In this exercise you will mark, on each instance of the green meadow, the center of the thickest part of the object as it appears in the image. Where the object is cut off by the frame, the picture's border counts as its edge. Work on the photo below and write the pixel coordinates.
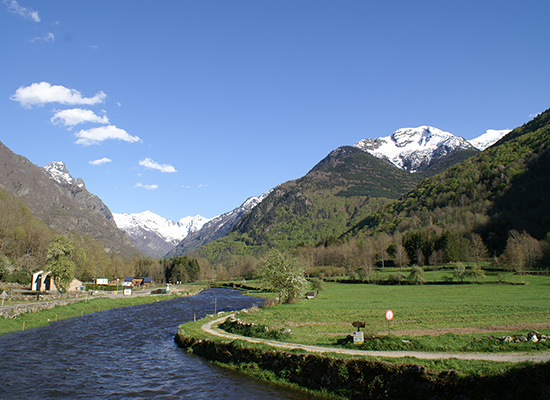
(443, 317)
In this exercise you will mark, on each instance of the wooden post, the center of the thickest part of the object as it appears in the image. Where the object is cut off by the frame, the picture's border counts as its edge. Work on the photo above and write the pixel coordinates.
(215, 305)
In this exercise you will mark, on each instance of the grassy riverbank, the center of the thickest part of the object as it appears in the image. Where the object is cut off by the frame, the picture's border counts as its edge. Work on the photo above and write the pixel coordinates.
(437, 318)
(94, 304)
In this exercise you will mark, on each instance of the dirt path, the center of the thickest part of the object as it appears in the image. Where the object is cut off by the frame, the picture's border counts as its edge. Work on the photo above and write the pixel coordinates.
(505, 357)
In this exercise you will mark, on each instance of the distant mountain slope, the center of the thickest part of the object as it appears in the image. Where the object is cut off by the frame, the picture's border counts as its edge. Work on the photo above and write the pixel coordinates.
(215, 228)
(345, 186)
(155, 235)
(61, 201)
(507, 186)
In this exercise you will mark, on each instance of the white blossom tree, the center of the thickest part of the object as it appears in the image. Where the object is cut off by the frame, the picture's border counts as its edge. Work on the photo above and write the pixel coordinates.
(283, 274)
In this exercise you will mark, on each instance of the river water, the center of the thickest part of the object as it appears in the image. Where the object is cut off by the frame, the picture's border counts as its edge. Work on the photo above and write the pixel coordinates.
(125, 353)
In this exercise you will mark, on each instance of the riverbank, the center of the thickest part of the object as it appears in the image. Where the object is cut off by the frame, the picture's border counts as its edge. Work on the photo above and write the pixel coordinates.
(446, 322)
(363, 377)
(33, 315)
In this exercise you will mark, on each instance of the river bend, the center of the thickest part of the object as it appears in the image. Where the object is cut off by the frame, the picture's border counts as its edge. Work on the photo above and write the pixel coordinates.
(125, 353)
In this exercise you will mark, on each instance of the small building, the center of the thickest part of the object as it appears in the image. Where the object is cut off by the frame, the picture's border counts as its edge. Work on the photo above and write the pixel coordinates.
(137, 281)
(310, 295)
(147, 281)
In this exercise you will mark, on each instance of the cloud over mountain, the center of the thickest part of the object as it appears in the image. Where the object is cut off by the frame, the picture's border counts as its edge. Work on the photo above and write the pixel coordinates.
(150, 164)
(88, 137)
(75, 116)
(39, 94)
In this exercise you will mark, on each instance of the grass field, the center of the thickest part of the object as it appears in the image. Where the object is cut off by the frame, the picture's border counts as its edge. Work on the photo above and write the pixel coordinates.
(462, 311)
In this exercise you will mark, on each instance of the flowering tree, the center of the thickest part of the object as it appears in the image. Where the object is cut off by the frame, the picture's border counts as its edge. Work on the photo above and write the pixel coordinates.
(283, 274)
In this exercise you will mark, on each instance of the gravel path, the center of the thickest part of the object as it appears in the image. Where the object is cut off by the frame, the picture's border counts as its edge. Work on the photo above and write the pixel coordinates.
(504, 357)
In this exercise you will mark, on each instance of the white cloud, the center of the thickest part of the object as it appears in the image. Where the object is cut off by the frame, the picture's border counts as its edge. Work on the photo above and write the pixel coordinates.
(75, 116)
(27, 13)
(43, 93)
(148, 187)
(87, 137)
(48, 37)
(101, 161)
(150, 164)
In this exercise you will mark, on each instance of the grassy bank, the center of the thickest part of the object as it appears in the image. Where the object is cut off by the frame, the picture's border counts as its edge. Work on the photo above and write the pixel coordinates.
(95, 304)
(436, 318)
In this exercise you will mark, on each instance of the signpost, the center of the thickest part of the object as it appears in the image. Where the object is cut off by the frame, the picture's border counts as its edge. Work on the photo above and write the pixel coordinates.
(389, 317)
(4, 296)
(358, 336)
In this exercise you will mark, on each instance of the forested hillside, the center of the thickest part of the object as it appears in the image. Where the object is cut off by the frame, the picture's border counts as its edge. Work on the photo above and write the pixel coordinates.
(506, 187)
(24, 241)
(352, 212)
(339, 192)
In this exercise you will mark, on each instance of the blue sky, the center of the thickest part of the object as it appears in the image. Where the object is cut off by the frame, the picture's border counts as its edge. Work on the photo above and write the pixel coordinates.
(189, 107)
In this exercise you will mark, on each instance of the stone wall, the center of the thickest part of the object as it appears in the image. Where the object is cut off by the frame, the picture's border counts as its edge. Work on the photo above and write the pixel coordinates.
(14, 311)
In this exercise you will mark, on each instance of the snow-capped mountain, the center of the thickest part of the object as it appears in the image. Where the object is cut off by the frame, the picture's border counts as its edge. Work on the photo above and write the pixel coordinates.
(415, 149)
(216, 228)
(156, 235)
(490, 137)
(58, 171)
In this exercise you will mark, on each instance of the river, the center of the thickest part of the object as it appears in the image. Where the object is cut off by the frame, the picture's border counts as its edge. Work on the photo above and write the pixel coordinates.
(125, 353)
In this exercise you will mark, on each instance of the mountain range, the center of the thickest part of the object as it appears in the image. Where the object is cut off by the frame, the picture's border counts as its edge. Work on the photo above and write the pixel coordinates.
(155, 235)
(348, 185)
(420, 151)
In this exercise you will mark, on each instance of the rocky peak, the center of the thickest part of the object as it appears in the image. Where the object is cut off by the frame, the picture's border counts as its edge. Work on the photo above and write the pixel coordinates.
(414, 149)
(57, 171)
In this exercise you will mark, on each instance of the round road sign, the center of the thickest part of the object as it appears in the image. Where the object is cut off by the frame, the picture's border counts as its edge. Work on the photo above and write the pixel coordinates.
(389, 315)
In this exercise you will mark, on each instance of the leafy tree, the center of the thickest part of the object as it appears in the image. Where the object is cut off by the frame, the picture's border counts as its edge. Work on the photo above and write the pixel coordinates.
(417, 275)
(477, 273)
(283, 274)
(59, 261)
(521, 251)
(478, 250)
(181, 269)
(460, 271)
(316, 285)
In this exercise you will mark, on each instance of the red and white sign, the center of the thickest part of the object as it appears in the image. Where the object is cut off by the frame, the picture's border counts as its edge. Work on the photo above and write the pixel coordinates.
(389, 315)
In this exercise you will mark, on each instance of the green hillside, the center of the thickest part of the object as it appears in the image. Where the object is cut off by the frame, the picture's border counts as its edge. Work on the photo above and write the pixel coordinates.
(505, 187)
(339, 192)
(343, 188)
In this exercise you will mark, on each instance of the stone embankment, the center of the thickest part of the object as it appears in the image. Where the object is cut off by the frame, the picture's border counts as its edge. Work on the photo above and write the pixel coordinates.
(13, 311)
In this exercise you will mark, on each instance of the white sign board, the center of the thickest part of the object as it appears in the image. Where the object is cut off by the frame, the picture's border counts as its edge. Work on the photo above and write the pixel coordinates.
(102, 281)
(127, 291)
(358, 337)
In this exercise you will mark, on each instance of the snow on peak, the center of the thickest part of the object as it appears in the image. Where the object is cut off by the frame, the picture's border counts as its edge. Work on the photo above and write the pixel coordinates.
(170, 231)
(490, 137)
(253, 201)
(58, 172)
(413, 149)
